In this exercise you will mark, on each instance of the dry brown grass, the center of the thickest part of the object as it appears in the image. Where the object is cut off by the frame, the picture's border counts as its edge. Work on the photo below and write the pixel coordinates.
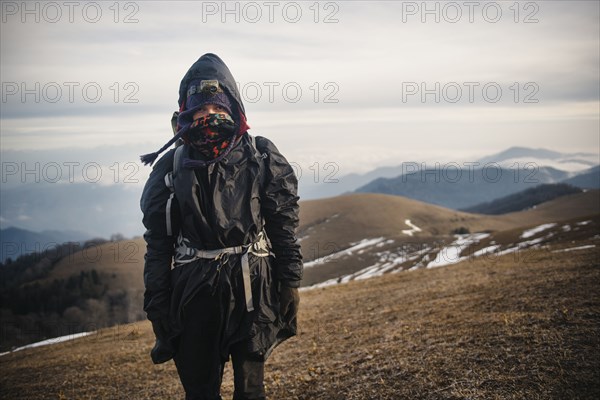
(359, 216)
(482, 329)
(566, 207)
(366, 215)
(123, 259)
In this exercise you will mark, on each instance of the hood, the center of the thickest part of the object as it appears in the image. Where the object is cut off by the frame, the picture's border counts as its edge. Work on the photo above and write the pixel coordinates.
(208, 67)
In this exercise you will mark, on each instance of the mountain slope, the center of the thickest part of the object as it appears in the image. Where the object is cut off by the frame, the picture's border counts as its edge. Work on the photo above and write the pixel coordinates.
(522, 158)
(589, 179)
(520, 152)
(524, 200)
(345, 219)
(15, 241)
(487, 329)
(356, 216)
(123, 259)
(71, 288)
(101, 210)
(459, 188)
(344, 236)
(566, 207)
(340, 238)
(330, 225)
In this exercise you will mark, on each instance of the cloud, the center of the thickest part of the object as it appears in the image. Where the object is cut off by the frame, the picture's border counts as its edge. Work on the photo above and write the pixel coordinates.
(363, 62)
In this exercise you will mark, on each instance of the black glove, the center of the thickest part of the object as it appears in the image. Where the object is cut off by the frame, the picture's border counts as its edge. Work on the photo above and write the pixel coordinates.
(163, 350)
(289, 299)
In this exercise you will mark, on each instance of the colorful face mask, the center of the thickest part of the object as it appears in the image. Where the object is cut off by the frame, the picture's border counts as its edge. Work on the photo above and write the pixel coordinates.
(212, 134)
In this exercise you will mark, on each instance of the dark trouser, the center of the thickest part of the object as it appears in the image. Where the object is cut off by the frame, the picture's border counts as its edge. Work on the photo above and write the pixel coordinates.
(199, 361)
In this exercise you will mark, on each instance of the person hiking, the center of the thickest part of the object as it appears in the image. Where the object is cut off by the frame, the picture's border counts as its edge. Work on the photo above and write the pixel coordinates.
(222, 265)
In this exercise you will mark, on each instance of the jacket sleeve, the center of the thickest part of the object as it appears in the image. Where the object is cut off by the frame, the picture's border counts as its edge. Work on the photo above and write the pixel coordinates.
(279, 206)
(159, 247)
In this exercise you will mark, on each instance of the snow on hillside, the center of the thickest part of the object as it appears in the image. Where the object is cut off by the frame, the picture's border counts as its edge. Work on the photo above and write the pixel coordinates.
(413, 228)
(356, 246)
(534, 231)
(589, 246)
(451, 254)
(403, 259)
(47, 342)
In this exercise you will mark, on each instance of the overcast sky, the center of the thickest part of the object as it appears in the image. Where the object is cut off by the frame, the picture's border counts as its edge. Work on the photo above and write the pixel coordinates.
(361, 84)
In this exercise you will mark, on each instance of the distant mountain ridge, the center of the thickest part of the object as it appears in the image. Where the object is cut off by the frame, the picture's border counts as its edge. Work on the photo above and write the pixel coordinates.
(524, 200)
(103, 210)
(461, 189)
(519, 157)
(449, 186)
(100, 210)
(589, 179)
(520, 152)
(515, 157)
(16, 242)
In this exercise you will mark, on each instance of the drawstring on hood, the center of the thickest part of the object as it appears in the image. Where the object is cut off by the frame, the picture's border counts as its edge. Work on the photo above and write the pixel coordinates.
(197, 88)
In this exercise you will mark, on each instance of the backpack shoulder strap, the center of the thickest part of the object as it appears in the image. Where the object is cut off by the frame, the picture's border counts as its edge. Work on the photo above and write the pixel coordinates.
(261, 161)
(170, 183)
(177, 160)
(170, 176)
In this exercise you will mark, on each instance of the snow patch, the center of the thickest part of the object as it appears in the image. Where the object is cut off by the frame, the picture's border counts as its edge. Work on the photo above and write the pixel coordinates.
(486, 250)
(390, 241)
(47, 342)
(414, 229)
(534, 231)
(589, 246)
(356, 246)
(451, 254)
(508, 251)
(389, 261)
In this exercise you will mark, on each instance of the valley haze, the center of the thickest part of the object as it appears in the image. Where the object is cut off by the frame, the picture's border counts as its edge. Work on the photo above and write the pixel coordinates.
(72, 190)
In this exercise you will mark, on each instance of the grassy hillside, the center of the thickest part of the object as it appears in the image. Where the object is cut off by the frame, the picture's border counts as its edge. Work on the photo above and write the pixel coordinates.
(62, 300)
(331, 226)
(487, 328)
(356, 216)
(567, 207)
(71, 291)
(341, 220)
(124, 260)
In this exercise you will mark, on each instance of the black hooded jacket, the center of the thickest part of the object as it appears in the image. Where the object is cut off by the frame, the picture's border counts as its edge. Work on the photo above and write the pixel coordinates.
(238, 197)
